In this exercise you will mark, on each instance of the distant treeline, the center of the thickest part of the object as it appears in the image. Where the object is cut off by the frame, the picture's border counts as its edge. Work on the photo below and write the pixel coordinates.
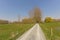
(35, 16)
(29, 20)
(4, 22)
(46, 20)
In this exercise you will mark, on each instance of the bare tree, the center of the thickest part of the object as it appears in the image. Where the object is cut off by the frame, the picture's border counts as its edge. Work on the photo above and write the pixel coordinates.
(37, 14)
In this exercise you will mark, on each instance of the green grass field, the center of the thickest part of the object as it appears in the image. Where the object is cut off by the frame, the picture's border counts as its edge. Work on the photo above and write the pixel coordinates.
(55, 33)
(7, 30)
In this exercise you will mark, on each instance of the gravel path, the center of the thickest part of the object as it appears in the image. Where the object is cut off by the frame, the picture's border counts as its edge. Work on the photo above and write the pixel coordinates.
(35, 33)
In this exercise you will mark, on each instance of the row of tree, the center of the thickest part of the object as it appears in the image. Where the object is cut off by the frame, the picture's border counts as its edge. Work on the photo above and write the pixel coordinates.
(4, 22)
(35, 16)
(31, 20)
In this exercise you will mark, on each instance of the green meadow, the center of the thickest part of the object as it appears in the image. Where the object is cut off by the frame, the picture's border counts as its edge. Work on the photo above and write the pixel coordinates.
(51, 30)
(8, 30)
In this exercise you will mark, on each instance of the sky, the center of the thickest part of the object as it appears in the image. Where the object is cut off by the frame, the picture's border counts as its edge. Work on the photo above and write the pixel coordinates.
(10, 9)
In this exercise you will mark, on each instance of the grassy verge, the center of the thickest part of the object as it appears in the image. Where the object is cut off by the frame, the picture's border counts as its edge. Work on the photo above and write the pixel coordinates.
(8, 31)
(55, 26)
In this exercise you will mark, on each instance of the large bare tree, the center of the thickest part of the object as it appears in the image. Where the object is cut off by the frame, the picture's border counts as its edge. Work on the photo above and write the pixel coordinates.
(35, 14)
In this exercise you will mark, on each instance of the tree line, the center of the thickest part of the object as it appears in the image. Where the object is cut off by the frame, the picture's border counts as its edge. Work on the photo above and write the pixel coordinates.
(35, 16)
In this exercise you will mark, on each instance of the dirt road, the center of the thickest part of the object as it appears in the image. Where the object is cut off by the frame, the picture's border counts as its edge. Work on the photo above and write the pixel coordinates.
(35, 33)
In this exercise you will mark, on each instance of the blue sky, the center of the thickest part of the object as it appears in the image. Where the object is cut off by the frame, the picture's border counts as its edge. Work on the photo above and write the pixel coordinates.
(10, 9)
